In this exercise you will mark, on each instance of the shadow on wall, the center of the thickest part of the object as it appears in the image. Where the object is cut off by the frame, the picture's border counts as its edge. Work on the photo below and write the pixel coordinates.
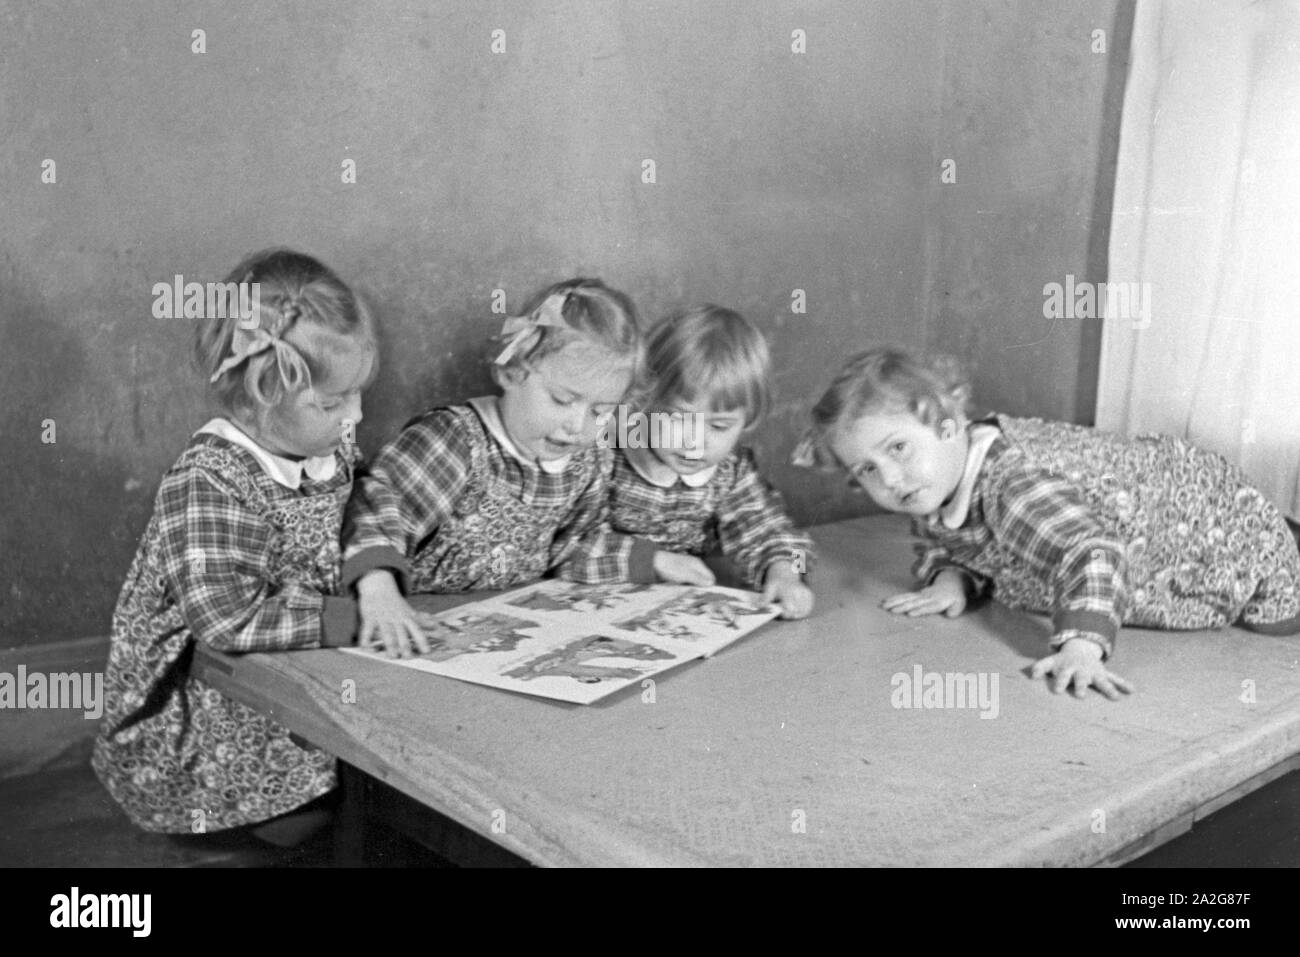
(1103, 202)
(404, 388)
(68, 512)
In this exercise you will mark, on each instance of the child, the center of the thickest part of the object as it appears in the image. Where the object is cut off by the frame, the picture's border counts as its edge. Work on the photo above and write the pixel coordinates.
(709, 369)
(495, 493)
(241, 553)
(1094, 528)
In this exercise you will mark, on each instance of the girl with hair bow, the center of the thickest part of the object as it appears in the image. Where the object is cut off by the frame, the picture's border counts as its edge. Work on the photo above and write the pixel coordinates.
(242, 554)
(498, 491)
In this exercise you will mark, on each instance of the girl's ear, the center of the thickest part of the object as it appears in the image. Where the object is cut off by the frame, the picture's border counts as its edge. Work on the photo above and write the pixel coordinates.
(512, 374)
(947, 429)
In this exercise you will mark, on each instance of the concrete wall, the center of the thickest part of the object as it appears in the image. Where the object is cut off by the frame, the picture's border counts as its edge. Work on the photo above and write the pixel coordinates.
(478, 171)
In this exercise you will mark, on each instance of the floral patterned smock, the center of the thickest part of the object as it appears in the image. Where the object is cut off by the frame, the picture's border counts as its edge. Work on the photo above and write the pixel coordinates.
(235, 558)
(1099, 530)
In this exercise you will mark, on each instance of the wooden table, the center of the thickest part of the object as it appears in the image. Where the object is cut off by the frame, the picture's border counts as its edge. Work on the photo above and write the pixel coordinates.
(787, 747)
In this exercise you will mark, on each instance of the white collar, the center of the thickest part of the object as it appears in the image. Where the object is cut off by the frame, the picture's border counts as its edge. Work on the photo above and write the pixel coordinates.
(488, 408)
(648, 465)
(981, 437)
(287, 472)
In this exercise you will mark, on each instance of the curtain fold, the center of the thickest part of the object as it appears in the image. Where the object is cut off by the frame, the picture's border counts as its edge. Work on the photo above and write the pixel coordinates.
(1207, 211)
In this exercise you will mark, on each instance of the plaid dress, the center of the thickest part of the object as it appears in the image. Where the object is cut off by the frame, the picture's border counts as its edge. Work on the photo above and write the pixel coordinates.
(448, 508)
(735, 512)
(1099, 530)
(233, 558)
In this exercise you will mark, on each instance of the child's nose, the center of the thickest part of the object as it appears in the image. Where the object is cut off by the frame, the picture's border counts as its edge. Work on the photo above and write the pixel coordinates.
(353, 411)
(891, 477)
(576, 420)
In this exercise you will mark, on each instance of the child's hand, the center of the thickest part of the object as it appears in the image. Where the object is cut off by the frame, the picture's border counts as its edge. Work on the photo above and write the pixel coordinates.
(682, 569)
(1078, 663)
(386, 618)
(783, 585)
(946, 594)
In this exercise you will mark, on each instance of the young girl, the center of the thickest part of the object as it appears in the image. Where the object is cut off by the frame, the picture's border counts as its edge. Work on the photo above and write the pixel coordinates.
(709, 373)
(1096, 529)
(242, 554)
(495, 493)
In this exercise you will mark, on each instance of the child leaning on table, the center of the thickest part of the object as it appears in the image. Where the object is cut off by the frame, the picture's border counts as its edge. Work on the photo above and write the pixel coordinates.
(1093, 528)
(242, 554)
(498, 491)
(709, 370)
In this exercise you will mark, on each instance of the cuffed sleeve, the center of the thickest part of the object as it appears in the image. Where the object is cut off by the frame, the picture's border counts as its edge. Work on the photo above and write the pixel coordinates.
(753, 528)
(377, 556)
(338, 622)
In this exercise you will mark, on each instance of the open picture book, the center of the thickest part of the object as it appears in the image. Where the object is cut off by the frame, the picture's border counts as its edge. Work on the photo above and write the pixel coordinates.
(579, 643)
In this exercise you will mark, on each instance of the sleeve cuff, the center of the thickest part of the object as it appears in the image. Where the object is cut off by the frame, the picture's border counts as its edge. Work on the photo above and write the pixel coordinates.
(641, 561)
(338, 622)
(1107, 646)
(1082, 620)
(976, 585)
(378, 556)
(789, 558)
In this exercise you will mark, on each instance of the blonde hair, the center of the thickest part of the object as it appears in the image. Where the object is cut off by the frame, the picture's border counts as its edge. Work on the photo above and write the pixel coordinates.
(710, 353)
(889, 379)
(592, 311)
(299, 296)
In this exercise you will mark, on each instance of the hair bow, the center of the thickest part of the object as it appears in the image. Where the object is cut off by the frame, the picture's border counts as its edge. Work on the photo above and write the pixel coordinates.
(248, 342)
(517, 330)
(804, 455)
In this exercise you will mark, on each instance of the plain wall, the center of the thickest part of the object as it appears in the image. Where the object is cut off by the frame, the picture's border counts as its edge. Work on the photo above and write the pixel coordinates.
(478, 171)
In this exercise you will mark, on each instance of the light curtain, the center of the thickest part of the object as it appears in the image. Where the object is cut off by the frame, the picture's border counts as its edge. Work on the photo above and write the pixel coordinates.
(1207, 210)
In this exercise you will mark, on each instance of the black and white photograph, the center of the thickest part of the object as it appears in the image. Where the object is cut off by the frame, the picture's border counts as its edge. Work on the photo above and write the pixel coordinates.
(638, 434)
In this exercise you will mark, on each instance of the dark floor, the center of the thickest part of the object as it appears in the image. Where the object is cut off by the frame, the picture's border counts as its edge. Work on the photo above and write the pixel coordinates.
(61, 817)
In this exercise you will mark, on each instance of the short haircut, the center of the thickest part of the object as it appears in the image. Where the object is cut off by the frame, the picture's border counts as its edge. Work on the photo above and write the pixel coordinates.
(889, 379)
(709, 354)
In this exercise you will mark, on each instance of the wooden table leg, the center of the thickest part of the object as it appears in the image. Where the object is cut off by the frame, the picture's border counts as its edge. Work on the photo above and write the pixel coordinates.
(350, 823)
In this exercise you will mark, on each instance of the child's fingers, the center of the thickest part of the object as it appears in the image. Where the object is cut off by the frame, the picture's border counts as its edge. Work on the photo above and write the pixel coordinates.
(900, 604)
(1103, 684)
(404, 644)
(1061, 679)
(795, 606)
(1042, 666)
(923, 602)
(419, 642)
(889, 603)
(924, 605)
(1119, 682)
(798, 604)
(703, 575)
(388, 635)
(931, 606)
(399, 643)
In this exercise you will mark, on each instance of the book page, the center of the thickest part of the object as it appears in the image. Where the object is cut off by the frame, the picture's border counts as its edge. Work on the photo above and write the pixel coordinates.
(580, 643)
